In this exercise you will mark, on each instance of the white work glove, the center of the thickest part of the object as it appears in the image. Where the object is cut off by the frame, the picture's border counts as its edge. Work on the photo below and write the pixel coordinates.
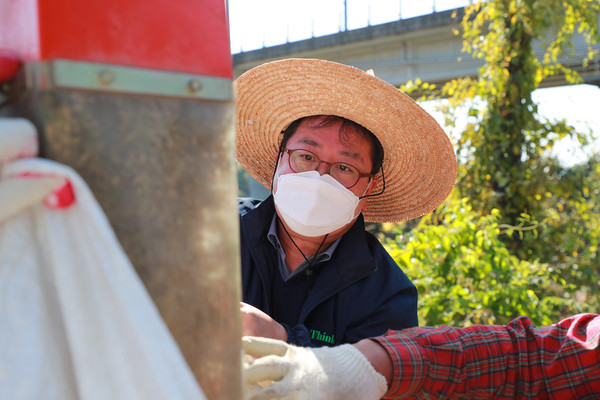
(283, 371)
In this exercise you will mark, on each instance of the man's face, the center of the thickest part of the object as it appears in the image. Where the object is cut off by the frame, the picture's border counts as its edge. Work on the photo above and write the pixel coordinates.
(331, 147)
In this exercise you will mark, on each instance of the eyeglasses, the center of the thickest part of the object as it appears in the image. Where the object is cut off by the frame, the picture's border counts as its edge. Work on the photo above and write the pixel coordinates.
(301, 160)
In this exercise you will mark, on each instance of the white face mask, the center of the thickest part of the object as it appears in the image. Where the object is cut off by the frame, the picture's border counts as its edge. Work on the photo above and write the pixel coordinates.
(312, 204)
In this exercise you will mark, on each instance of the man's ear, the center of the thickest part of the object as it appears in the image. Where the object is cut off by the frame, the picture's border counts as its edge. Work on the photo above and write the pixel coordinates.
(364, 207)
(372, 185)
(370, 189)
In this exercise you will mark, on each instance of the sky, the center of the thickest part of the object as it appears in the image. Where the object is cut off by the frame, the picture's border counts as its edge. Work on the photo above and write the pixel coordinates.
(262, 23)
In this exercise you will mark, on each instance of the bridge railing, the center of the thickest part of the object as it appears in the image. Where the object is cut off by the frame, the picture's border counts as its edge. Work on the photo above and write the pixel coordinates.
(256, 24)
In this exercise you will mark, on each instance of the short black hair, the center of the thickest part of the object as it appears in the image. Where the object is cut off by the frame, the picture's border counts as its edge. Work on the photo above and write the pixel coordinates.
(347, 126)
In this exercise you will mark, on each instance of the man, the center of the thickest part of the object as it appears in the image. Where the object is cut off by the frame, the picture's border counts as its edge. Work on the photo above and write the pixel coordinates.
(516, 361)
(334, 144)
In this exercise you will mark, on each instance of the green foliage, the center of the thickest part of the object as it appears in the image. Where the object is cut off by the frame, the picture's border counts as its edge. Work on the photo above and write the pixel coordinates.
(529, 245)
(506, 137)
(569, 237)
(465, 274)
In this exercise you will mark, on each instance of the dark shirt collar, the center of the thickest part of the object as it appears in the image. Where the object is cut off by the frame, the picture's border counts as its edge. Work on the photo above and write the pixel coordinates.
(315, 259)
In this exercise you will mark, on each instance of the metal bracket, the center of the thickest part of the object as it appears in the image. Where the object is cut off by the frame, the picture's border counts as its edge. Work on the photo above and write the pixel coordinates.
(132, 80)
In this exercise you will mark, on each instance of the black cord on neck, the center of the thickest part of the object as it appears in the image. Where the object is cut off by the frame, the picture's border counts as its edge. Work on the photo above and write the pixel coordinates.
(310, 263)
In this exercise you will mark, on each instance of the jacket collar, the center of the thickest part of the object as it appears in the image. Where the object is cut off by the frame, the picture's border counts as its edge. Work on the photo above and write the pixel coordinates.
(258, 222)
(350, 263)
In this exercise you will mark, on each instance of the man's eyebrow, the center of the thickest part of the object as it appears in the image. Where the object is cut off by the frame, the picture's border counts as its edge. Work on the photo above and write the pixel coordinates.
(347, 153)
(351, 154)
(309, 142)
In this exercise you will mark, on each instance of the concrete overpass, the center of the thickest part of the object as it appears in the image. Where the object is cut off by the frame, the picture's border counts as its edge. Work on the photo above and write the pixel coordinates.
(422, 47)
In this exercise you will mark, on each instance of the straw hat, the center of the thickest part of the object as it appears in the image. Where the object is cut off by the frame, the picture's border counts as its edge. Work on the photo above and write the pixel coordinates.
(419, 162)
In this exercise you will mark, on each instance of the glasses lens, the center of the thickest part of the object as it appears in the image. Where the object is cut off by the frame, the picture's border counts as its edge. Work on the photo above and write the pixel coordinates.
(303, 160)
(345, 174)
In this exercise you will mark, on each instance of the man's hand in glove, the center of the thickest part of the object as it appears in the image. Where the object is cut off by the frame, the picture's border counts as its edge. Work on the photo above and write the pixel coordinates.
(276, 370)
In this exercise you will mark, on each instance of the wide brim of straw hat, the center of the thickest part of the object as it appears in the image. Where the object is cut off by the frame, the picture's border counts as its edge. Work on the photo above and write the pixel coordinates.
(419, 161)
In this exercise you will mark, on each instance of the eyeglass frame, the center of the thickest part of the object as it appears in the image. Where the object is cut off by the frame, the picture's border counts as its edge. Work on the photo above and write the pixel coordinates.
(281, 150)
(289, 152)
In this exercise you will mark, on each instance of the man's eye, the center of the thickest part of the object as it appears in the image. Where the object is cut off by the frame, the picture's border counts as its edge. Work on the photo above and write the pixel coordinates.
(344, 169)
(308, 157)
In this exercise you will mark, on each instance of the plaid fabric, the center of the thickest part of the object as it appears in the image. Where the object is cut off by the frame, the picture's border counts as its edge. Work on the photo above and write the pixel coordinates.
(516, 361)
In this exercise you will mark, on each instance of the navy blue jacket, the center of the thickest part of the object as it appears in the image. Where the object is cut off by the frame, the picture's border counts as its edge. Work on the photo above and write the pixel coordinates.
(360, 292)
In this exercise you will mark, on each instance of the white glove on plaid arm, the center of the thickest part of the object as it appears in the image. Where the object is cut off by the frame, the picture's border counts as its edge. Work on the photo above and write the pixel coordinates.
(283, 371)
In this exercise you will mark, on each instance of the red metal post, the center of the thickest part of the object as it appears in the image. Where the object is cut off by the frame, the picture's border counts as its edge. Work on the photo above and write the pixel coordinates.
(136, 96)
(168, 35)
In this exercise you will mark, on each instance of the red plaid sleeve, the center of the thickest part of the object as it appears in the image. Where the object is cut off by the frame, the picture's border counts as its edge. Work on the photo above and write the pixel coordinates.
(560, 361)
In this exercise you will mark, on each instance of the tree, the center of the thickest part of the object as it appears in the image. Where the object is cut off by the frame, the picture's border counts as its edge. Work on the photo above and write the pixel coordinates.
(506, 137)
(465, 269)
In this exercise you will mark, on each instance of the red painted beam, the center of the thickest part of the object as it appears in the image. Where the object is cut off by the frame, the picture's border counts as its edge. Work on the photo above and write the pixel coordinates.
(9, 64)
(188, 36)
